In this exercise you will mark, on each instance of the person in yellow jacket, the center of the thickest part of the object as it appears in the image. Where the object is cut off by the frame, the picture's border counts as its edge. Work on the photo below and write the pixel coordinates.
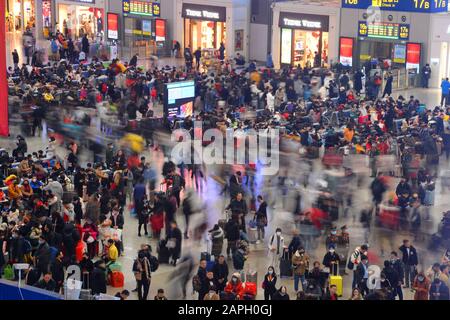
(349, 133)
(111, 253)
(14, 192)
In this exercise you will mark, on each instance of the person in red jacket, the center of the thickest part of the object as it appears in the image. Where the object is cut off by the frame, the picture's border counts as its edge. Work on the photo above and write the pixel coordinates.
(234, 286)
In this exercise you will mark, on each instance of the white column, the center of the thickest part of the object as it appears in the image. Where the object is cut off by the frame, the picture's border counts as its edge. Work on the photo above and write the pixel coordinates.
(39, 19)
(22, 15)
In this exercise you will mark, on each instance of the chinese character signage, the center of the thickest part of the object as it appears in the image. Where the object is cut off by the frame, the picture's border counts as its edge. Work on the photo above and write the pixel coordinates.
(144, 8)
(383, 30)
(426, 6)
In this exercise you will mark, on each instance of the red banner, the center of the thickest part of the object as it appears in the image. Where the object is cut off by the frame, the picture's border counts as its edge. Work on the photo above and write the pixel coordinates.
(4, 125)
(160, 30)
(413, 52)
(113, 26)
(346, 51)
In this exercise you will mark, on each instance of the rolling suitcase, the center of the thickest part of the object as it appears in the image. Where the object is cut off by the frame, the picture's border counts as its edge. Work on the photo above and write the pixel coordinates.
(85, 292)
(252, 235)
(336, 280)
(285, 266)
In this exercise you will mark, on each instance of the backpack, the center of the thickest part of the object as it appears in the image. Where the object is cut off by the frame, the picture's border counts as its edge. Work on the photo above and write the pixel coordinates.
(27, 247)
(53, 254)
(196, 283)
(54, 47)
(154, 263)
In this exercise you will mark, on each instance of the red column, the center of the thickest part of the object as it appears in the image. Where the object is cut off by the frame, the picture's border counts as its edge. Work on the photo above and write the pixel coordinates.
(4, 126)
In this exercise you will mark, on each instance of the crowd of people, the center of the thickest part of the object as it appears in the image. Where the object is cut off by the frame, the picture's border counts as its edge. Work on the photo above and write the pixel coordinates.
(58, 211)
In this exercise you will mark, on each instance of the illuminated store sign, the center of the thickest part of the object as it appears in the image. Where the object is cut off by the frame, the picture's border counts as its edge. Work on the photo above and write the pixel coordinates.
(200, 12)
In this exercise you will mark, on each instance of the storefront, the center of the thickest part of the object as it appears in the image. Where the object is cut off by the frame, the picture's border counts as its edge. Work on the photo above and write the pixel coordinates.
(439, 48)
(204, 26)
(303, 38)
(207, 23)
(20, 15)
(75, 18)
(309, 38)
(139, 25)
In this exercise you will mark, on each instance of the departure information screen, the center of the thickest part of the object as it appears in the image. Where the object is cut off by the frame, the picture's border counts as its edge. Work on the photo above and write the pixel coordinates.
(383, 30)
(425, 6)
(179, 91)
(144, 8)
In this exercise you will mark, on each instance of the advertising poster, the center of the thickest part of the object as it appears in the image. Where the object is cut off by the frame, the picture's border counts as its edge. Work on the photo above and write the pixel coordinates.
(399, 53)
(160, 32)
(147, 27)
(346, 52)
(113, 26)
(413, 56)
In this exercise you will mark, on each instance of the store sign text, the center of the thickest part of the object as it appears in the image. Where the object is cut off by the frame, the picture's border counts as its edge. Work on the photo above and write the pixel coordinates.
(203, 14)
(302, 23)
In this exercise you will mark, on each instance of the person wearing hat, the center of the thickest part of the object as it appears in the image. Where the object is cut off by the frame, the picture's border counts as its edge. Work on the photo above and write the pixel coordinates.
(300, 262)
(217, 236)
(331, 260)
(332, 238)
(276, 248)
(234, 286)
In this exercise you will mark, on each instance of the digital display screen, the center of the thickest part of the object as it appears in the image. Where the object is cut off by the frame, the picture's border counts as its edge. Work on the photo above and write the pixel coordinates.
(425, 6)
(180, 90)
(147, 27)
(383, 30)
(346, 51)
(143, 8)
(179, 98)
(160, 26)
(400, 53)
(113, 26)
(413, 56)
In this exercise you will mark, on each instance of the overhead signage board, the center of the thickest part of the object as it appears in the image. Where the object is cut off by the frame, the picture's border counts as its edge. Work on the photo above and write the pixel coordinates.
(383, 30)
(424, 6)
(143, 8)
